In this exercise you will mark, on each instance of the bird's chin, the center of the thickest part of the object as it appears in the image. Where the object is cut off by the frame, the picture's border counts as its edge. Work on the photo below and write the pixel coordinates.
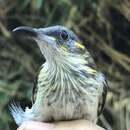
(48, 52)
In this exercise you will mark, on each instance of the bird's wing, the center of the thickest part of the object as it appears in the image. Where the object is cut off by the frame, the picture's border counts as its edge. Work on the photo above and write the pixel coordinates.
(102, 98)
(101, 79)
(34, 91)
(35, 88)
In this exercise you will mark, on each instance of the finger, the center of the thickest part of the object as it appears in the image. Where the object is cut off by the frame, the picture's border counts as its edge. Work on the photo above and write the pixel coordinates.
(31, 125)
(76, 125)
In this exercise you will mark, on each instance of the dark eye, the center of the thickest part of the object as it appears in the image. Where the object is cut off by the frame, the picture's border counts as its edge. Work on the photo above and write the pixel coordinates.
(64, 35)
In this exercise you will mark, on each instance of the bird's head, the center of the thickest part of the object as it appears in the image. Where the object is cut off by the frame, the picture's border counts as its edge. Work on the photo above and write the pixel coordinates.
(56, 42)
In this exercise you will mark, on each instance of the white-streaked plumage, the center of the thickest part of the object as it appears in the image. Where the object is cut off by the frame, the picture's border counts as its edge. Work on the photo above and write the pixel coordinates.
(68, 88)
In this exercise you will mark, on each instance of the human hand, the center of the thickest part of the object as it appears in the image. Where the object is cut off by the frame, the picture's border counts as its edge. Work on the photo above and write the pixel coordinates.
(63, 125)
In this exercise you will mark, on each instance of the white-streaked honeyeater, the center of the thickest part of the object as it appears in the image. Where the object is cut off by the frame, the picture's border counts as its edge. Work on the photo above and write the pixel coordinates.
(68, 86)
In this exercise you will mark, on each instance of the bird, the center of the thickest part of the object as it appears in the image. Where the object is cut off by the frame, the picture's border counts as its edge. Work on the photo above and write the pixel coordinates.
(69, 85)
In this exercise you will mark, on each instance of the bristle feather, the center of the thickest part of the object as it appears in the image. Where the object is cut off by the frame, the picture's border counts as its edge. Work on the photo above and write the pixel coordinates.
(17, 112)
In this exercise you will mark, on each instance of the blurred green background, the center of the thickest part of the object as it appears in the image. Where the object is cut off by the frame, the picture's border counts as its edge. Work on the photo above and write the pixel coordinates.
(102, 25)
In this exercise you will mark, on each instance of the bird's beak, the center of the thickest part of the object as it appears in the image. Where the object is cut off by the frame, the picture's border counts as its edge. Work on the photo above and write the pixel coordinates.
(25, 31)
(39, 35)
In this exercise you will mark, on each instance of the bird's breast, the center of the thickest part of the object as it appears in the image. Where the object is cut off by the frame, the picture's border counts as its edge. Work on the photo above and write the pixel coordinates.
(66, 98)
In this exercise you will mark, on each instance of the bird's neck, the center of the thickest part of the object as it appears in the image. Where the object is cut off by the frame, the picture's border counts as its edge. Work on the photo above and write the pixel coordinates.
(65, 68)
(65, 62)
(60, 75)
(63, 74)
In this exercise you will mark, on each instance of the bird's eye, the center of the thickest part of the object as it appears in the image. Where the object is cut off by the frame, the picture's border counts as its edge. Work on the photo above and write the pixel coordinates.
(64, 35)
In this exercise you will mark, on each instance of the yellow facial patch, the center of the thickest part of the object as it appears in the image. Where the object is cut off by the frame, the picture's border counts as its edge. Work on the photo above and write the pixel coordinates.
(79, 45)
(90, 70)
(64, 48)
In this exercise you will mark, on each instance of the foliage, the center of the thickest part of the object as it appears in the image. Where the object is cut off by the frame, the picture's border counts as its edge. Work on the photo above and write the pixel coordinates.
(104, 28)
